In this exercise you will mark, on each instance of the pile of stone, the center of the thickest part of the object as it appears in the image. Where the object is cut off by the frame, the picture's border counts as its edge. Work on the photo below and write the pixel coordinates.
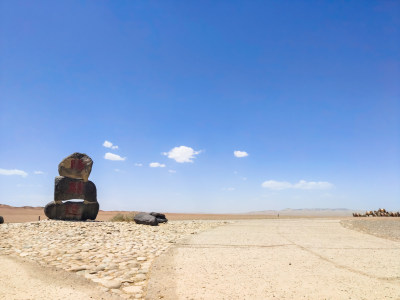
(152, 218)
(381, 212)
(74, 183)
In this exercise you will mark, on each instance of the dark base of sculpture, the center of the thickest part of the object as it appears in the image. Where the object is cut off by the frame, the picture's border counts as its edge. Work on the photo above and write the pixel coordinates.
(72, 211)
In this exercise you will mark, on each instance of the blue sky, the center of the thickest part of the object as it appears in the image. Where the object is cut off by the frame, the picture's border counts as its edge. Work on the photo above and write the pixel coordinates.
(309, 90)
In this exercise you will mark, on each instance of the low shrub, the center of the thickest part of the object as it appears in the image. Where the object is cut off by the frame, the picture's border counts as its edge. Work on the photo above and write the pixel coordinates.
(123, 218)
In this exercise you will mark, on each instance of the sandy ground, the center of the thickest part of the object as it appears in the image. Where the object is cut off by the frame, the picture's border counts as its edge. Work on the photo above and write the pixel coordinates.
(25, 280)
(267, 258)
(279, 259)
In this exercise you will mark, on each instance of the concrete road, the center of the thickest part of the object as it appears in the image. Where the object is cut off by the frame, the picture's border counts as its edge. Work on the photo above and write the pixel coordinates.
(279, 259)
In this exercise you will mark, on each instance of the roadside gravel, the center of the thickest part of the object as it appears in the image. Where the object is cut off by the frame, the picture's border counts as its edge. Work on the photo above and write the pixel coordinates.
(388, 228)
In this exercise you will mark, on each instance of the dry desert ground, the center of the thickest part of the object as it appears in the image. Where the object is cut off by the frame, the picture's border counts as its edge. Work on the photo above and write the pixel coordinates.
(199, 257)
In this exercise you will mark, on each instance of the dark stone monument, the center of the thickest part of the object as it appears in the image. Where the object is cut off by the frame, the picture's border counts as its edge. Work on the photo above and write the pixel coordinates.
(77, 165)
(68, 188)
(73, 183)
(1, 220)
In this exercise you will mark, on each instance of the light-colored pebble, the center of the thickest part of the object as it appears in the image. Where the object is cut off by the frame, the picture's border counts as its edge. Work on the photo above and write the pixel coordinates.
(133, 289)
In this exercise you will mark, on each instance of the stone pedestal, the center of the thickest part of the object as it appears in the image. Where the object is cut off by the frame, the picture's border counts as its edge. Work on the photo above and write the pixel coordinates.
(72, 211)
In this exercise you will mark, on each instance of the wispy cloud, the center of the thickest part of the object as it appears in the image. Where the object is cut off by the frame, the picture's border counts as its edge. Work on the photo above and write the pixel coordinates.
(301, 185)
(228, 189)
(108, 144)
(138, 165)
(239, 154)
(112, 156)
(156, 165)
(182, 154)
(172, 171)
(13, 172)
(38, 172)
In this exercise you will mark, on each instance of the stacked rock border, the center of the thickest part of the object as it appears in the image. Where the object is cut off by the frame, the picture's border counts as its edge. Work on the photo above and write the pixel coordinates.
(381, 212)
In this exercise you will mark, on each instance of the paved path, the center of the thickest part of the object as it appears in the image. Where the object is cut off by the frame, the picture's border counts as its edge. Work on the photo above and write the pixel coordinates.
(279, 259)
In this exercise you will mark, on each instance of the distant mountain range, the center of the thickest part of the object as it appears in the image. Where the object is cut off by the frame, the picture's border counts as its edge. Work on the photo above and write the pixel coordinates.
(308, 212)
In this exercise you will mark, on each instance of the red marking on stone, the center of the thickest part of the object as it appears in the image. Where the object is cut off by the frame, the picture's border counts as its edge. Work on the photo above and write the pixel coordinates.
(72, 209)
(75, 187)
(77, 164)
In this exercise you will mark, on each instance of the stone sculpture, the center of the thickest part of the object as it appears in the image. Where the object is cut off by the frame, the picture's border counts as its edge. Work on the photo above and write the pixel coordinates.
(73, 183)
(1, 220)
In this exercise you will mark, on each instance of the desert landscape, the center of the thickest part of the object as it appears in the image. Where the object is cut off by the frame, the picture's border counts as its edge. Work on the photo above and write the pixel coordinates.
(200, 257)
(199, 150)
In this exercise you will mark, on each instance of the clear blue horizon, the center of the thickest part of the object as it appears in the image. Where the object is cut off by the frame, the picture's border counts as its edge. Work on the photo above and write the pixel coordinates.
(220, 107)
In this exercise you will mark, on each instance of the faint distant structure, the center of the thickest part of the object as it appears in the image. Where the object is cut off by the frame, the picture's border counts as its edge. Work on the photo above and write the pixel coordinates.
(381, 212)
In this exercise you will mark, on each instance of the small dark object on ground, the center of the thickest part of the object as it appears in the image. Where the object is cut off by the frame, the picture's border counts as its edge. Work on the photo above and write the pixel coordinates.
(159, 220)
(1, 220)
(160, 217)
(146, 219)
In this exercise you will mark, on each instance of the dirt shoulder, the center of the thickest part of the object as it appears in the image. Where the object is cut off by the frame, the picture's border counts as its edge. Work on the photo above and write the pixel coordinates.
(22, 279)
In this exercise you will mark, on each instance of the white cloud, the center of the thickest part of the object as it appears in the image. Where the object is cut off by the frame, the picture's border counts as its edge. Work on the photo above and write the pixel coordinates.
(229, 189)
(156, 165)
(238, 153)
(38, 172)
(112, 156)
(182, 154)
(138, 165)
(301, 185)
(313, 185)
(108, 144)
(13, 172)
(276, 185)
(172, 171)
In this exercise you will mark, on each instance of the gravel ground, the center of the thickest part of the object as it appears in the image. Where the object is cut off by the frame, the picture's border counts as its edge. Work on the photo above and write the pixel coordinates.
(116, 255)
(388, 228)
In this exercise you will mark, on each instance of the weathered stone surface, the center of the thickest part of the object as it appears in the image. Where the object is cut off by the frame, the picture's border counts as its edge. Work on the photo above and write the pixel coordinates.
(160, 217)
(78, 211)
(77, 165)
(1, 220)
(67, 188)
(146, 219)
(159, 220)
